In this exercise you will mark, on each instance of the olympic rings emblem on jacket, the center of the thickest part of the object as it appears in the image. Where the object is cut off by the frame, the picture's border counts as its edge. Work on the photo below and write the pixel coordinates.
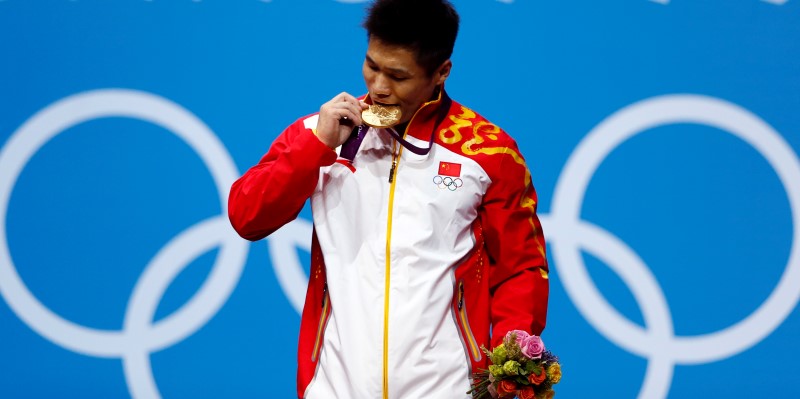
(447, 182)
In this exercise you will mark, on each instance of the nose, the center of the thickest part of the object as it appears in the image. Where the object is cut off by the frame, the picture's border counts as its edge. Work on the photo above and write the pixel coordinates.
(380, 86)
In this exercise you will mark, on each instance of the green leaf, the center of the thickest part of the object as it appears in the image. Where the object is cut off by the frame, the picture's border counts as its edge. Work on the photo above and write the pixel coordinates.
(529, 367)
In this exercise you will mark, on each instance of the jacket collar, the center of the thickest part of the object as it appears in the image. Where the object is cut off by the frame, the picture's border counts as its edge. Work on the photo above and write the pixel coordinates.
(428, 115)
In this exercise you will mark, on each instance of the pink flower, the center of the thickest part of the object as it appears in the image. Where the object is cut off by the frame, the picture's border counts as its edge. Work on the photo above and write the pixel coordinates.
(520, 335)
(532, 347)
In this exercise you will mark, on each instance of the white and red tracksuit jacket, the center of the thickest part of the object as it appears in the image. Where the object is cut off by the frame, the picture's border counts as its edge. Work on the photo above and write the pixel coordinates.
(409, 271)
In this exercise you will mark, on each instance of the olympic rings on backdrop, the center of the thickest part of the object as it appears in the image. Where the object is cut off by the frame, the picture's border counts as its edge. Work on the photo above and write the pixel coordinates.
(141, 334)
(569, 235)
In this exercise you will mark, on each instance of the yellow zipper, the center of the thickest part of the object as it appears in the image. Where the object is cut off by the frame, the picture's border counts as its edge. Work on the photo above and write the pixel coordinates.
(462, 312)
(387, 280)
(323, 318)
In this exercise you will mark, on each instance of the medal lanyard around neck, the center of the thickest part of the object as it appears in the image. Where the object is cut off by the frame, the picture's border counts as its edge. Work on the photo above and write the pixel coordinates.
(444, 108)
(351, 145)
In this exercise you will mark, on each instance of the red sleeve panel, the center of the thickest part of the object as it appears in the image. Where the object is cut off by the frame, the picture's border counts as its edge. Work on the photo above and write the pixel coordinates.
(518, 272)
(272, 193)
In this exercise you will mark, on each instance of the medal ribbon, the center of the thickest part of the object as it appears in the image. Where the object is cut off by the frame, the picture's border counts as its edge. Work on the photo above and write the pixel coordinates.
(350, 147)
(444, 108)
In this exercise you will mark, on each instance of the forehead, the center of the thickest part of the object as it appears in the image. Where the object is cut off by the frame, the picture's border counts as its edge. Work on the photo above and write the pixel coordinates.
(392, 56)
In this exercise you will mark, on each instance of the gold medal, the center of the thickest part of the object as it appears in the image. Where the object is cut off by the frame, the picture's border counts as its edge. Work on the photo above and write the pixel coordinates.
(381, 116)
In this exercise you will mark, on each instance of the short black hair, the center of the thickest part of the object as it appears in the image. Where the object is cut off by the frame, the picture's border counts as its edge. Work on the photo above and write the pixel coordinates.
(428, 27)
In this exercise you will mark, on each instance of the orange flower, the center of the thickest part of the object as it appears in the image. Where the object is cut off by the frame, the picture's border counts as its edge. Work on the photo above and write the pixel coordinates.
(527, 392)
(506, 389)
(537, 379)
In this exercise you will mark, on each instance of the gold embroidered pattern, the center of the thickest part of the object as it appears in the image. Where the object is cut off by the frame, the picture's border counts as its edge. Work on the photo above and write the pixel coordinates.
(481, 132)
(459, 122)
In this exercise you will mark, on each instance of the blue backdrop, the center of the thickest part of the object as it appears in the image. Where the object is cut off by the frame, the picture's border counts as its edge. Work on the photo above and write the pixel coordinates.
(662, 138)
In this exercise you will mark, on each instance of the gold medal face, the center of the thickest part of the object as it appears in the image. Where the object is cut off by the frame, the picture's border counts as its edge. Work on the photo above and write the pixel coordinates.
(381, 116)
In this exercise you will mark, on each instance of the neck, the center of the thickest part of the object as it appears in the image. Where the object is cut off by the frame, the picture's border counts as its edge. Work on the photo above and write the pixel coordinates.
(401, 128)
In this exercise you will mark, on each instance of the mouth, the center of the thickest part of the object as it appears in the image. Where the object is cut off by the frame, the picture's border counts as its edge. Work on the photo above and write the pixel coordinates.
(384, 103)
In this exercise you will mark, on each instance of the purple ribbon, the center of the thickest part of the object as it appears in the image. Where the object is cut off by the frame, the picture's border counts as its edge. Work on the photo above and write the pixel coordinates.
(351, 145)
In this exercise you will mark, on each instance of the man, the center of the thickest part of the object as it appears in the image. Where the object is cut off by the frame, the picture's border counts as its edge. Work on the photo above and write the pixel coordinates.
(426, 241)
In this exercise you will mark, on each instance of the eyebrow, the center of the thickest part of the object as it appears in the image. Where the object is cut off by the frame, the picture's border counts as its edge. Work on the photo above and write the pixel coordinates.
(398, 71)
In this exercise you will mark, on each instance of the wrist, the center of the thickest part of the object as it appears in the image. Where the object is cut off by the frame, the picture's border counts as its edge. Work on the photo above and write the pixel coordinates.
(323, 140)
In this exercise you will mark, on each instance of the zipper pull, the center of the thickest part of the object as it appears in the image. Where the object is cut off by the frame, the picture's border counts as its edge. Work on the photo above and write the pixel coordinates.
(324, 294)
(460, 295)
(391, 171)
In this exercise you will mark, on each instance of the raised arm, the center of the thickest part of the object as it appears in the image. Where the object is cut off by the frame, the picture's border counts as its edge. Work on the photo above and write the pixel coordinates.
(273, 192)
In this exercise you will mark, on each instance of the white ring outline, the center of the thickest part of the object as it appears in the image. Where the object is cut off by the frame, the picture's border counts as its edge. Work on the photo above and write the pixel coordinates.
(566, 228)
(139, 337)
(286, 264)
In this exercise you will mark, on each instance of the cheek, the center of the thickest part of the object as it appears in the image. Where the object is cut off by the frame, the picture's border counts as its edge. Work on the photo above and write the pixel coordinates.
(405, 93)
(414, 96)
(369, 76)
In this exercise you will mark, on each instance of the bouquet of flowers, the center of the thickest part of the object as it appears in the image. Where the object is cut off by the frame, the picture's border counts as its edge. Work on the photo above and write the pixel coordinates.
(520, 368)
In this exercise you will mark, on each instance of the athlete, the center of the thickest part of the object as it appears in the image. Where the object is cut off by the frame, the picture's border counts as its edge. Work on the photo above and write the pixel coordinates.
(426, 243)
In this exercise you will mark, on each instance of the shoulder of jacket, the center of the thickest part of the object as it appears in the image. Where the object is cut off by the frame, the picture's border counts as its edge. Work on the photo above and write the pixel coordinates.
(468, 133)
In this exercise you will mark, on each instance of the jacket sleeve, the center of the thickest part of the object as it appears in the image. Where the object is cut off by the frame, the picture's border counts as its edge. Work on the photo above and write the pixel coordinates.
(272, 193)
(518, 271)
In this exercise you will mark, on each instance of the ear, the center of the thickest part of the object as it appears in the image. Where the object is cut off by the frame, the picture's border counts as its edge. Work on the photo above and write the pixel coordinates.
(443, 72)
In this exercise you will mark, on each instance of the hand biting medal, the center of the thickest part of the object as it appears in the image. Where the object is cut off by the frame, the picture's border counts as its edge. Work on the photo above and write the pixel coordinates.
(381, 116)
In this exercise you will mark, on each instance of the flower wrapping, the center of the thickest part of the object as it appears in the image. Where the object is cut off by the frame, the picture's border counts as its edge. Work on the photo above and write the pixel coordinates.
(520, 367)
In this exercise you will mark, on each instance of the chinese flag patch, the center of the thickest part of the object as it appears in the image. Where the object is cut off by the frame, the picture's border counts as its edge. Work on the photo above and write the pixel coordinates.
(449, 169)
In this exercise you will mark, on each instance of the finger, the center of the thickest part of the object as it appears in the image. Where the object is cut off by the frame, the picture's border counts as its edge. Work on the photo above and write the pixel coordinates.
(352, 102)
(340, 114)
(350, 115)
(333, 108)
(353, 106)
(354, 113)
(345, 97)
(341, 97)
